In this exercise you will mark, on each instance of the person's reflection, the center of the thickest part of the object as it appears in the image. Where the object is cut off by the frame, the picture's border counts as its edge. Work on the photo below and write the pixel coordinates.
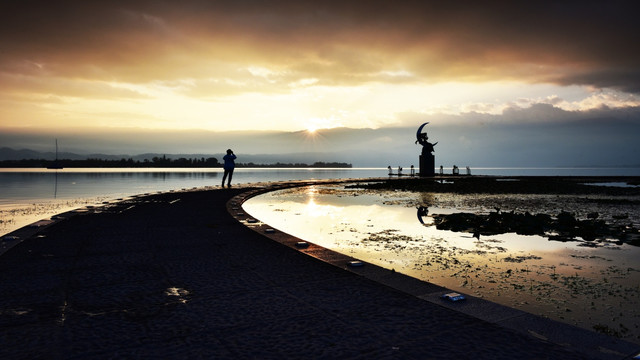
(422, 211)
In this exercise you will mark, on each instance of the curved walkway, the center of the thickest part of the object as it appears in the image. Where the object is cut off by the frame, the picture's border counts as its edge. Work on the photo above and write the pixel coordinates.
(176, 275)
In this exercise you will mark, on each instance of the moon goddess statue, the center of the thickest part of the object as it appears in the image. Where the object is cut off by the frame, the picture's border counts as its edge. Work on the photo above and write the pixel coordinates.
(422, 139)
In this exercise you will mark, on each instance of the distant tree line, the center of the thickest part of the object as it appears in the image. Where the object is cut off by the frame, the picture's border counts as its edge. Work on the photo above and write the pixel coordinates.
(124, 163)
(317, 164)
(156, 162)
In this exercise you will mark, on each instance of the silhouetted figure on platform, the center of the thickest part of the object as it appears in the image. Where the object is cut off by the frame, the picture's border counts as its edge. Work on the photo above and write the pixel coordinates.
(229, 165)
(427, 147)
(427, 160)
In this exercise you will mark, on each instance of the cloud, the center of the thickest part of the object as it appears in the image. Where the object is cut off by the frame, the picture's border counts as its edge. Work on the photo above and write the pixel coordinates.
(252, 64)
(515, 117)
(60, 87)
(337, 42)
(560, 138)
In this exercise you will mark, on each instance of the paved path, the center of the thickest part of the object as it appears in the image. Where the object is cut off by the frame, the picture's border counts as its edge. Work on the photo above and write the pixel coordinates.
(174, 275)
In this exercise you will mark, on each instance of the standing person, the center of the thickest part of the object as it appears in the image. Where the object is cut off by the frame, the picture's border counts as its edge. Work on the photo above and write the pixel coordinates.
(229, 165)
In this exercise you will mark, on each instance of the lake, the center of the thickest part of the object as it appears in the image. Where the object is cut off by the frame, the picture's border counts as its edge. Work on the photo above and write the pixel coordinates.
(28, 185)
(20, 186)
(594, 285)
(28, 195)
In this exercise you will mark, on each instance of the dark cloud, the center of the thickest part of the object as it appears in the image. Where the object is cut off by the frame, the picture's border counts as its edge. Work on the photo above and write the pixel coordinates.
(568, 42)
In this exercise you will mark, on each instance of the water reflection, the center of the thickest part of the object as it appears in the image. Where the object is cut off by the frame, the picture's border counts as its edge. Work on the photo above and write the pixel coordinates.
(29, 195)
(16, 187)
(315, 210)
(422, 212)
(589, 287)
(55, 186)
(20, 186)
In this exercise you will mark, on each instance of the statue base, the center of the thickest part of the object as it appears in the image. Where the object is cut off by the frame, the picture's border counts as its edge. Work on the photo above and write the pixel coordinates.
(427, 165)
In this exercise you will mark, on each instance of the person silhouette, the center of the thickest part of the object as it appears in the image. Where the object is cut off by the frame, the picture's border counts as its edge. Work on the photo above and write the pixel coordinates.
(229, 165)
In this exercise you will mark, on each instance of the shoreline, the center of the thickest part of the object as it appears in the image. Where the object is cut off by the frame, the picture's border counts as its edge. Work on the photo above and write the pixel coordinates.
(72, 204)
(585, 274)
(530, 327)
(508, 297)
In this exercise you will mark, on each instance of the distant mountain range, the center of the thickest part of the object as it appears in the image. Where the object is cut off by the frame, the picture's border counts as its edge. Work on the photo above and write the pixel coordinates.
(26, 154)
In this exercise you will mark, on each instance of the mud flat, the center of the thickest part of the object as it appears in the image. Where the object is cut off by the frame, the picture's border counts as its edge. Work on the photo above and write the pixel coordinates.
(598, 218)
(565, 248)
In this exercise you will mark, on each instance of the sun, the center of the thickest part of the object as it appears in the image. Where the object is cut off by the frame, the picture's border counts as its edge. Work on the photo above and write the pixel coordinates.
(312, 125)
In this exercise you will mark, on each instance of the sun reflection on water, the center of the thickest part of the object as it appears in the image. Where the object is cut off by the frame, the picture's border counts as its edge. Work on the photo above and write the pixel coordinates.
(584, 286)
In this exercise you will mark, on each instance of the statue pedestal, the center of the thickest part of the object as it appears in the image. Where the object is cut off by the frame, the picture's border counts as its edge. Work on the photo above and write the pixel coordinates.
(427, 165)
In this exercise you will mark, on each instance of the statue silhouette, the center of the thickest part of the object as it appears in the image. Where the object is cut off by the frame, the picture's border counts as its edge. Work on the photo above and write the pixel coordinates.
(423, 139)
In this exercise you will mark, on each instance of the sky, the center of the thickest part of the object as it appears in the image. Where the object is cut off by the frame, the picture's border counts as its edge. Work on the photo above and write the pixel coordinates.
(84, 68)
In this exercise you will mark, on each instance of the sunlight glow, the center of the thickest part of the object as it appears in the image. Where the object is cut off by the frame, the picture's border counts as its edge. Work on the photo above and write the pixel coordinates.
(314, 124)
(325, 216)
(315, 210)
(220, 103)
(282, 68)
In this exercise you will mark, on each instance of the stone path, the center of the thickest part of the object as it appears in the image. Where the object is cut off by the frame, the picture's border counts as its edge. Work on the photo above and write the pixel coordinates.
(174, 275)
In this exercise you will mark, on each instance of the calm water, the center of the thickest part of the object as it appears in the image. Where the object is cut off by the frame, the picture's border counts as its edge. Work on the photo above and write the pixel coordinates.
(589, 286)
(20, 186)
(28, 195)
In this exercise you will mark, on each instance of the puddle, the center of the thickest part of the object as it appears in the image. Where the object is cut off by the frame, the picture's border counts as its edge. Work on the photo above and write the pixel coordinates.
(613, 184)
(15, 216)
(179, 294)
(594, 287)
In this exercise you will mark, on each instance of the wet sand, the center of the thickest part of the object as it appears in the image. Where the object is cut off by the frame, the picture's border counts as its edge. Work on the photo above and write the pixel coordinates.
(186, 274)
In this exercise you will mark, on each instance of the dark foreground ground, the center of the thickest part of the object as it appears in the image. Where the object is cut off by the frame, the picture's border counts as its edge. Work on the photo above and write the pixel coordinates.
(175, 275)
